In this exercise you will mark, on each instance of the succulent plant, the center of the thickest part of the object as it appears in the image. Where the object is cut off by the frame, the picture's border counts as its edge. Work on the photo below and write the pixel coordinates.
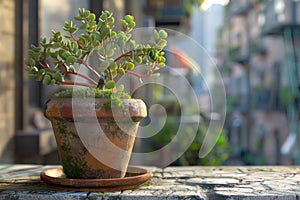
(59, 57)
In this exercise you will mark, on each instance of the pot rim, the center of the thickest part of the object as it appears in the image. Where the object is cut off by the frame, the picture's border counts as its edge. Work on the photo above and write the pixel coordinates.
(70, 108)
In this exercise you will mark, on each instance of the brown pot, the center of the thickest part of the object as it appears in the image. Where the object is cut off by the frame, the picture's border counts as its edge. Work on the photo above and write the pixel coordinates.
(94, 142)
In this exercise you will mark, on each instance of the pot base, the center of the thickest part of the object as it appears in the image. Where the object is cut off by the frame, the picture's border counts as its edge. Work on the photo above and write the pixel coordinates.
(55, 178)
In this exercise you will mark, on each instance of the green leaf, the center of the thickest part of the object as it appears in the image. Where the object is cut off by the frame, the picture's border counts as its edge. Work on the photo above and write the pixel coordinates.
(55, 45)
(86, 13)
(156, 35)
(110, 52)
(161, 65)
(97, 36)
(71, 59)
(113, 66)
(80, 11)
(54, 54)
(27, 68)
(128, 18)
(34, 69)
(43, 40)
(120, 41)
(111, 20)
(92, 17)
(163, 34)
(52, 82)
(121, 71)
(152, 43)
(162, 59)
(152, 55)
(139, 59)
(56, 34)
(155, 75)
(162, 44)
(103, 65)
(124, 24)
(131, 24)
(110, 84)
(132, 45)
(100, 50)
(73, 30)
(78, 18)
(113, 34)
(114, 73)
(65, 54)
(83, 26)
(104, 31)
(103, 16)
(66, 27)
(81, 41)
(42, 72)
(47, 80)
(58, 76)
(78, 53)
(108, 13)
(128, 36)
(130, 65)
(29, 61)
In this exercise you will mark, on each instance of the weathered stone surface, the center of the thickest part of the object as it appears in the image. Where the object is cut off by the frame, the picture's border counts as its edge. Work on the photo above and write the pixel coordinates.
(257, 183)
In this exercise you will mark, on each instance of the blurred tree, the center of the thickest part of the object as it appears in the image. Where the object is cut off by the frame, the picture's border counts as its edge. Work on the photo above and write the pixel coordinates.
(188, 6)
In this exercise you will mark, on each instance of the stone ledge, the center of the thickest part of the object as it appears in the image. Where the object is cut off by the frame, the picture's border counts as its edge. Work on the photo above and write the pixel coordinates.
(274, 182)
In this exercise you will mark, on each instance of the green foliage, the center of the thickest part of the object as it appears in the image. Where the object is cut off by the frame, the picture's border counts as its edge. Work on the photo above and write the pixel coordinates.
(286, 96)
(114, 97)
(218, 155)
(69, 51)
(92, 93)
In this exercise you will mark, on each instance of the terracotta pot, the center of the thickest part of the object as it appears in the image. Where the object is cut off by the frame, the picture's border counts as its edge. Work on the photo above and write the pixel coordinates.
(94, 142)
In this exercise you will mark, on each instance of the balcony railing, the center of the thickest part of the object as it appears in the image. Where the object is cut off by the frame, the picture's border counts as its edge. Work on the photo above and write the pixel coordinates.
(279, 14)
(238, 7)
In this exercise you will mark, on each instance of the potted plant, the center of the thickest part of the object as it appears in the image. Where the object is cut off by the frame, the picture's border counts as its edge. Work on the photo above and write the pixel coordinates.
(94, 114)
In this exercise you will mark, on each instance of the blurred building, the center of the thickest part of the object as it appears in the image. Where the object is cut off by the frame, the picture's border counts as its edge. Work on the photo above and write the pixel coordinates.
(258, 51)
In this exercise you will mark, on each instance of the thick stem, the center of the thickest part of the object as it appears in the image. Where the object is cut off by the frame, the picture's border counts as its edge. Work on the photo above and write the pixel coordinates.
(137, 75)
(86, 20)
(40, 63)
(148, 74)
(83, 76)
(110, 74)
(76, 83)
(123, 55)
(46, 65)
(66, 68)
(90, 68)
(73, 37)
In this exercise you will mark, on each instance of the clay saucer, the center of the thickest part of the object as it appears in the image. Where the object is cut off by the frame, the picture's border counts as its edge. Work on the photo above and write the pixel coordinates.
(56, 179)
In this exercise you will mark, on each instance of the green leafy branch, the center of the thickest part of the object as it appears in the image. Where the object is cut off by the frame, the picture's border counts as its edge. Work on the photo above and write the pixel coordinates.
(58, 58)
